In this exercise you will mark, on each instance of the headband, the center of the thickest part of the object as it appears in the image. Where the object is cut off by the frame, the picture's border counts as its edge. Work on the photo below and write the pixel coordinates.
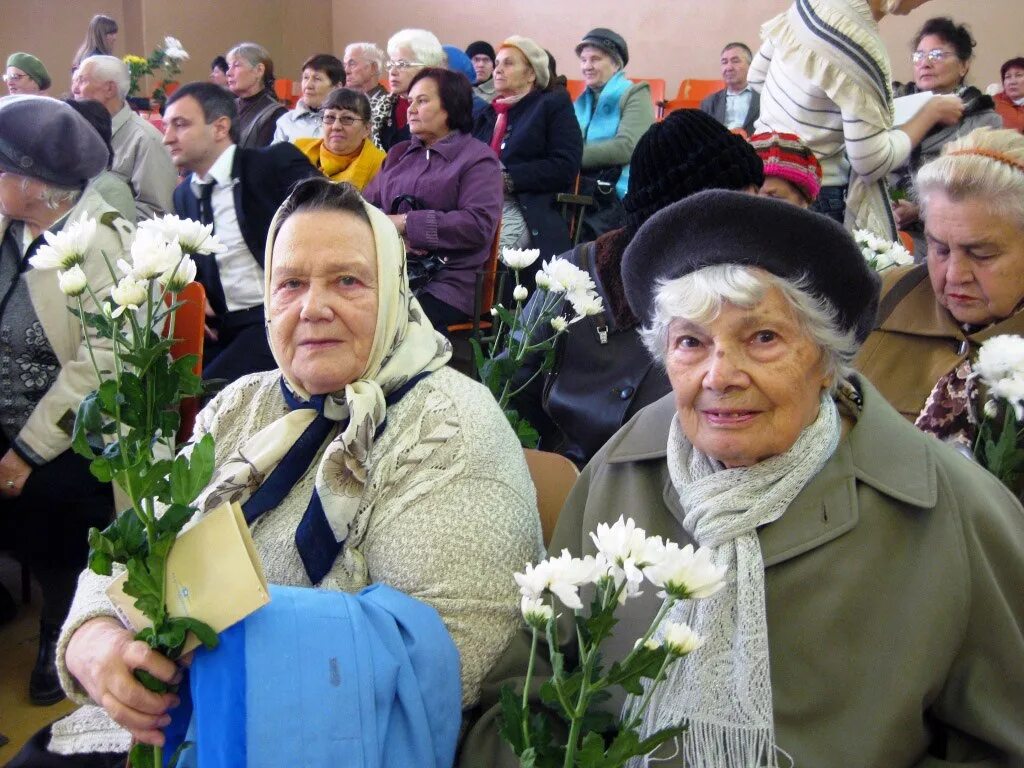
(992, 155)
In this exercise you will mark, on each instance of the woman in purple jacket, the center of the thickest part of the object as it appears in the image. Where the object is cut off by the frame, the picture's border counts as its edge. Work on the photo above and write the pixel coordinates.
(443, 191)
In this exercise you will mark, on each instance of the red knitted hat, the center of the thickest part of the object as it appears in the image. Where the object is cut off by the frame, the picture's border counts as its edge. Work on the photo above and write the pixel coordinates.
(785, 156)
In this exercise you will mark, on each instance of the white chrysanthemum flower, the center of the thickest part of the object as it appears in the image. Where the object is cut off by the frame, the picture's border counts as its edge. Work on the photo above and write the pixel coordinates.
(543, 281)
(559, 324)
(1000, 357)
(176, 278)
(515, 258)
(520, 293)
(173, 49)
(129, 293)
(66, 248)
(536, 612)
(627, 550)
(685, 573)
(193, 237)
(152, 255)
(1011, 389)
(585, 303)
(991, 409)
(561, 576)
(72, 281)
(566, 277)
(680, 639)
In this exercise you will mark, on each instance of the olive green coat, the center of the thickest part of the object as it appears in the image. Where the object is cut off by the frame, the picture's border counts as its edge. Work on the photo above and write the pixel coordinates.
(894, 595)
(919, 342)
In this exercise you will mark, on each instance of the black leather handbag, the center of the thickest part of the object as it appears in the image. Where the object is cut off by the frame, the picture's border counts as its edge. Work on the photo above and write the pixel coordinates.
(607, 212)
(420, 268)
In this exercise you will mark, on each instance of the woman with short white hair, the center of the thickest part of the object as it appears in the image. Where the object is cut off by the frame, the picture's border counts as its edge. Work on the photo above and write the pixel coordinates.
(409, 51)
(858, 550)
(364, 67)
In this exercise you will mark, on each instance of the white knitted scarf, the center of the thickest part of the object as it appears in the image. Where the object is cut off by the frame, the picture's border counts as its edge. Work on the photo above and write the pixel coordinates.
(723, 690)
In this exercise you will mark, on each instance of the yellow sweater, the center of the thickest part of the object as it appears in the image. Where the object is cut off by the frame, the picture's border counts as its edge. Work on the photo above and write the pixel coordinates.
(357, 169)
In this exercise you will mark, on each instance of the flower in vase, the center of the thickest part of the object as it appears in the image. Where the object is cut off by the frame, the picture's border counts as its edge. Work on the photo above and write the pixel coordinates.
(536, 612)
(193, 237)
(173, 49)
(520, 293)
(129, 293)
(680, 639)
(515, 258)
(684, 573)
(72, 281)
(66, 248)
(177, 277)
(152, 255)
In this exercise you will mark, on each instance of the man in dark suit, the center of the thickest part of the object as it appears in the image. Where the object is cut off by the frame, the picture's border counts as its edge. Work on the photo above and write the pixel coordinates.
(737, 105)
(238, 191)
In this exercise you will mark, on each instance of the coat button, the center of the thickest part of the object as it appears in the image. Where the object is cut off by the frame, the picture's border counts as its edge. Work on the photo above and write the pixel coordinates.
(626, 392)
(535, 232)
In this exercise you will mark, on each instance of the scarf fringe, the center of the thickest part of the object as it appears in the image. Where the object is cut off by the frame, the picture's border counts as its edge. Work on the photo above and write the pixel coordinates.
(710, 745)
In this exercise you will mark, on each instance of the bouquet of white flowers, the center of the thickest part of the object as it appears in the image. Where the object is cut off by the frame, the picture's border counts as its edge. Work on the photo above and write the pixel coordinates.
(880, 253)
(167, 56)
(997, 446)
(568, 295)
(127, 424)
(626, 558)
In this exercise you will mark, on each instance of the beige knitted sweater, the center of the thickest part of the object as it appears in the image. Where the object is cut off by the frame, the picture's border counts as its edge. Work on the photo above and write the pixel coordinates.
(448, 515)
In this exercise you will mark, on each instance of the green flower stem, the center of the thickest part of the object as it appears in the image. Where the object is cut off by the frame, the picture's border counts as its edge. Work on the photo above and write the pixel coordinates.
(88, 341)
(526, 688)
(649, 693)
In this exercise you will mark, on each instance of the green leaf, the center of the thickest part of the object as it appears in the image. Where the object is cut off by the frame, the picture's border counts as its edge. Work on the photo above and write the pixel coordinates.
(173, 762)
(478, 357)
(151, 683)
(201, 464)
(100, 562)
(591, 753)
(645, 663)
(88, 421)
(143, 585)
(174, 518)
(203, 632)
(528, 436)
(656, 739)
(142, 755)
(510, 717)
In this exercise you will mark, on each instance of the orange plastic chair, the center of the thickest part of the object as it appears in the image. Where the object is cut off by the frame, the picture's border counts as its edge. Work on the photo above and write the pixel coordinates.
(908, 241)
(189, 334)
(692, 92)
(283, 91)
(486, 281)
(553, 476)
(657, 86)
(575, 88)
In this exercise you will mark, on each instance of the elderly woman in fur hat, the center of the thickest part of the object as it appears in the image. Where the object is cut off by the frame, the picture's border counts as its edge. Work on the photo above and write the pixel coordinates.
(872, 613)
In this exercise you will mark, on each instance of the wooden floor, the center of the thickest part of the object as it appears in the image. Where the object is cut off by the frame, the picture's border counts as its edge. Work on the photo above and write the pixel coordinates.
(19, 718)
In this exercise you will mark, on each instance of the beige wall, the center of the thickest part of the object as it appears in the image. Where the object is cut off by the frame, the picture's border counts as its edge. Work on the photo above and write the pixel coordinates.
(671, 40)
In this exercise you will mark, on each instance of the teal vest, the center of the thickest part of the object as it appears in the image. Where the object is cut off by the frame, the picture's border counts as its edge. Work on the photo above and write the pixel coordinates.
(603, 123)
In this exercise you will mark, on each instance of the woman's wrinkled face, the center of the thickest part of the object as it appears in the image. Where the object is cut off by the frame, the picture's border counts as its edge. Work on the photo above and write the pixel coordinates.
(243, 78)
(941, 75)
(975, 259)
(315, 87)
(14, 194)
(344, 131)
(18, 82)
(596, 66)
(323, 299)
(747, 383)
(360, 73)
(782, 189)
(512, 73)
(427, 117)
(1013, 83)
(402, 68)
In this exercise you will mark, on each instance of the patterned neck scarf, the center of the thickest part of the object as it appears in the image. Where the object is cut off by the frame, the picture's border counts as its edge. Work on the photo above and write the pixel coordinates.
(263, 471)
(948, 412)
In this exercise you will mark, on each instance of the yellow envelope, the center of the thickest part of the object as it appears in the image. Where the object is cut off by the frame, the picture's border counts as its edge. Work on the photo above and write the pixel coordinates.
(213, 574)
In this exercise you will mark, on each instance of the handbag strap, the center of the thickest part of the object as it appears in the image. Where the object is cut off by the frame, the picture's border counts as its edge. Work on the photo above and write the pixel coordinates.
(899, 291)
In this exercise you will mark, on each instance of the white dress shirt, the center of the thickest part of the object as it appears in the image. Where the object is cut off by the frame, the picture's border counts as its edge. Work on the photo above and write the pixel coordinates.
(737, 105)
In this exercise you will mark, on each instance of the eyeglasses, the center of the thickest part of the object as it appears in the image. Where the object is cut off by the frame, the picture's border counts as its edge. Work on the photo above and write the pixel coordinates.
(346, 121)
(935, 55)
(14, 78)
(403, 64)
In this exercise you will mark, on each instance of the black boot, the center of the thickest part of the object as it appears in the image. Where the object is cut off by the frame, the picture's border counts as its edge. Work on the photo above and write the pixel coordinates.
(44, 685)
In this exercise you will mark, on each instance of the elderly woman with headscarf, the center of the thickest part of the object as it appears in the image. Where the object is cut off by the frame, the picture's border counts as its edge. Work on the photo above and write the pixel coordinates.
(613, 113)
(935, 316)
(321, 74)
(48, 498)
(384, 459)
(345, 153)
(409, 51)
(603, 375)
(533, 130)
(858, 551)
(942, 56)
(364, 67)
(824, 74)
(251, 79)
(25, 74)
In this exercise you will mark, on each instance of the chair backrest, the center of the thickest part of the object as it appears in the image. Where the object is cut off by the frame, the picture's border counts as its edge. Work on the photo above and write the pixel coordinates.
(487, 279)
(907, 240)
(190, 333)
(553, 476)
(575, 88)
(692, 92)
(657, 86)
(283, 89)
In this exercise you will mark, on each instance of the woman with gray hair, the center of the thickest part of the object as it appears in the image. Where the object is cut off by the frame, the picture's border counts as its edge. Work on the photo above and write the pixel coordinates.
(409, 51)
(936, 315)
(48, 498)
(251, 79)
(364, 67)
(800, 478)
